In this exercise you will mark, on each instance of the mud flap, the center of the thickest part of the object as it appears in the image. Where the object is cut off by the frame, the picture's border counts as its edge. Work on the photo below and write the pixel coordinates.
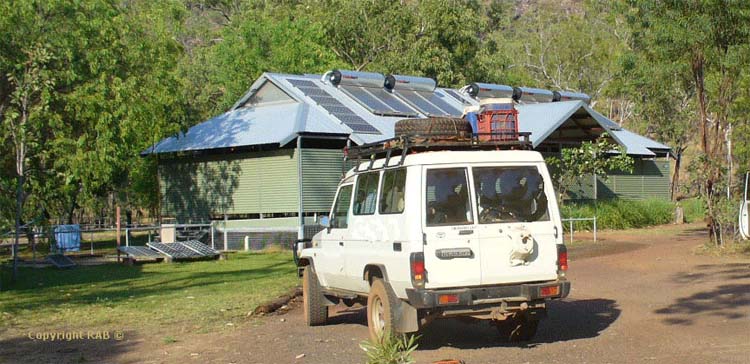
(408, 320)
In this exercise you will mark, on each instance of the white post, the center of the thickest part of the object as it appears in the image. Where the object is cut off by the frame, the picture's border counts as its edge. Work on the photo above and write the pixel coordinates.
(213, 245)
(247, 243)
(225, 233)
(571, 231)
(127, 236)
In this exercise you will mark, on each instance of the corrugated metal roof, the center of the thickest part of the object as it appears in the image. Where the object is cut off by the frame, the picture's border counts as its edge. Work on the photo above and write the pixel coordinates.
(281, 123)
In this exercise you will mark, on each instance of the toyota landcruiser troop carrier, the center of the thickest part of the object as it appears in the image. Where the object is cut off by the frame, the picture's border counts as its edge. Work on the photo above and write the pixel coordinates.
(430, 228)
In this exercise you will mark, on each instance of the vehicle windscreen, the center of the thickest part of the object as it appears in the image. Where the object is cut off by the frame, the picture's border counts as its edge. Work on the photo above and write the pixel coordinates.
(510, 194)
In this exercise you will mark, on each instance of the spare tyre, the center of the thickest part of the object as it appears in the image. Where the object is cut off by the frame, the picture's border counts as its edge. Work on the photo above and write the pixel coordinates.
(433, 126)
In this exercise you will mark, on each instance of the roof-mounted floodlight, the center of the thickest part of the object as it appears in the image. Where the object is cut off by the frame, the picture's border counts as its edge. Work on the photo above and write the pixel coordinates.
(569, 96)
(484, 90)
(364, 79)
(529, 94)
(399, 82)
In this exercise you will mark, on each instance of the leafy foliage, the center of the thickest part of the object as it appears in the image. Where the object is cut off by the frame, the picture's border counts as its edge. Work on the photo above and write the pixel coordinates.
(591, 158)
(391, 349)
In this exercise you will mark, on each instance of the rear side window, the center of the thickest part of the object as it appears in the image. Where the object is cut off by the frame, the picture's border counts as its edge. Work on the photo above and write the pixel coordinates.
(341, 208)
(448, 200)
(366, 195)
(392, 192)
(510, 194)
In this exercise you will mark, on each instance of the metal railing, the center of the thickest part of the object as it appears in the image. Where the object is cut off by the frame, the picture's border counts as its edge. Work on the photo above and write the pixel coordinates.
(571, 220)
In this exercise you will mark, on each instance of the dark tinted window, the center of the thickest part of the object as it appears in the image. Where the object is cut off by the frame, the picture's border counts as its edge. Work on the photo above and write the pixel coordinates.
(510, 194)
(392, 192)
(367, 192)
(341, 208)
(448, 197)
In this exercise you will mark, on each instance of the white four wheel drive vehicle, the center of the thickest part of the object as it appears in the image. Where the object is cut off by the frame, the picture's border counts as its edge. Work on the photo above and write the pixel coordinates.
(437, 234)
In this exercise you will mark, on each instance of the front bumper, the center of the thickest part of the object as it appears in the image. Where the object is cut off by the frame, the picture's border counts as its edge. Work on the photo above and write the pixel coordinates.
(489, 295)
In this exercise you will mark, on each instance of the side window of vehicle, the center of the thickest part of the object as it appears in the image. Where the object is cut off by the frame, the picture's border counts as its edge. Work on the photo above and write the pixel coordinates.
(366, 195)
(392, 192)
(448, 200)
(340, 219)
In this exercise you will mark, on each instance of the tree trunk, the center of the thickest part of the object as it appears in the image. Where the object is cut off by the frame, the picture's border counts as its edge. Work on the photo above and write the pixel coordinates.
(676, 175)
(19, 210)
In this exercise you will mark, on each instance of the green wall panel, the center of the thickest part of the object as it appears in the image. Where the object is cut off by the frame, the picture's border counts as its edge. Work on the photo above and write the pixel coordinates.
(192, 188)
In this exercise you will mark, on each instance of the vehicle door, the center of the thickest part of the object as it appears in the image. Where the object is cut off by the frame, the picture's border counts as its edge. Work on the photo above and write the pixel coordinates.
(744, 213)
(329, 264)
(451, 250)
(363, 232)
(517, 229)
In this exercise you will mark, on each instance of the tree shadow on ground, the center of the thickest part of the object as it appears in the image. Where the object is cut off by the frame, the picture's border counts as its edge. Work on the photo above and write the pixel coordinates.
(727, 302)
(22, 349)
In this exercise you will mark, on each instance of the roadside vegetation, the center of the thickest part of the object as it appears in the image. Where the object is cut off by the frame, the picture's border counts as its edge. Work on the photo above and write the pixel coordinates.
(199, 296)
(629, 214)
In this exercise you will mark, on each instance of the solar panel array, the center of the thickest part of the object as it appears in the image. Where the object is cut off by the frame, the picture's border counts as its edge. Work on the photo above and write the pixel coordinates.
(139, 252)
(333, 106)
(429, 103)
(60, 261)
(200, 248)
(174, 250)
(457, 96)
(379, 101)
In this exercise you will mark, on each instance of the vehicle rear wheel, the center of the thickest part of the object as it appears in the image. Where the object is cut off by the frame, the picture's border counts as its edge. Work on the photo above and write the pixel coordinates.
(316, 311)
(518, 328)
(441, 126)
(381, 303)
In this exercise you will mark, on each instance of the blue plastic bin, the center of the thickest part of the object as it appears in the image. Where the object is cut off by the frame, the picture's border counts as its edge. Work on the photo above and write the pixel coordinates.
(68, 238)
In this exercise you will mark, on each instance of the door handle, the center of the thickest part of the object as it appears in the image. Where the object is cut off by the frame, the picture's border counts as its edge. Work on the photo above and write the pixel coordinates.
(341, 243)
(556, 232)
(466, 232)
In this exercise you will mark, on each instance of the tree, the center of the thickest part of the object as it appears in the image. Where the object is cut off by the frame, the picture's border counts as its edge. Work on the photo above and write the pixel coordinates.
(591, 158)
(710, 40)
(23, 119)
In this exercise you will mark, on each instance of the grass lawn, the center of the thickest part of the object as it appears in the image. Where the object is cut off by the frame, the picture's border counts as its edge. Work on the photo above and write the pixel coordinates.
(202, 295)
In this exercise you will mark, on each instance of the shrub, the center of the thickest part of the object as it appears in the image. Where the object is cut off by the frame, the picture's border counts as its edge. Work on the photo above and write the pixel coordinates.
(620, 214)
(391, 349)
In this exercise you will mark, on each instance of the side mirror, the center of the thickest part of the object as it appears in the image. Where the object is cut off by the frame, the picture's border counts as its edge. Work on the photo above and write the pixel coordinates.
(325, 221)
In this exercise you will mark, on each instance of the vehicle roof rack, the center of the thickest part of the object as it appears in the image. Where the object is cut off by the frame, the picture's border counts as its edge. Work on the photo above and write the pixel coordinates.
(401, 146)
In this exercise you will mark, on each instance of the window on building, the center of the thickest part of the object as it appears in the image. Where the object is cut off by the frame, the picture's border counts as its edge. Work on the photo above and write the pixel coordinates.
(366, 195)
(448, 200)
(392, 192)
(340, 219)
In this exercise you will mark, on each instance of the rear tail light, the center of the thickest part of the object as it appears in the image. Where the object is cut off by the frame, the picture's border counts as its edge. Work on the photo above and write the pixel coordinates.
(562, 258)
(448, 299)
(550, 291)
(418, 273)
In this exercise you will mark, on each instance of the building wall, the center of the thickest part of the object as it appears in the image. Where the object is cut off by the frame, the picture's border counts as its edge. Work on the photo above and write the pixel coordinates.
(321, 173)
(193, 188)
(650, 179)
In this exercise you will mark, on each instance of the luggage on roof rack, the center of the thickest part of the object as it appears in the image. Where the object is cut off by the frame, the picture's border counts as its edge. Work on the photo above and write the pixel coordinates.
(401, 146)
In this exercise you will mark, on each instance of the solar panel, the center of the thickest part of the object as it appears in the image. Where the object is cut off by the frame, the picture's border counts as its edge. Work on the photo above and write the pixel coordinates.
(457, 96)
(368, 100)
(394, 105)
(60, 261)
(429, 103)
(139, 252)
(199, 247)
(174, 250)
(439, 101)
(334, 106)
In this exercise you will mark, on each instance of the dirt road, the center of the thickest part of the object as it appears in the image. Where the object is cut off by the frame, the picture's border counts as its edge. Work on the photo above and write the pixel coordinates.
(638, 297)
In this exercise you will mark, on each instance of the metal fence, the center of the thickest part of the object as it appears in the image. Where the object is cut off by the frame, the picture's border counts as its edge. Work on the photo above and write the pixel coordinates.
(571, 225)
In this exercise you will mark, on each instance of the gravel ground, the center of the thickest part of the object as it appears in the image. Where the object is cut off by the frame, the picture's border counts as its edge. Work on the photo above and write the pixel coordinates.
(637, 298)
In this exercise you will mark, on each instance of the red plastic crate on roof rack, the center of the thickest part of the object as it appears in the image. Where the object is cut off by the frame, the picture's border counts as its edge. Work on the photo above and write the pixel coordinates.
(497, 120)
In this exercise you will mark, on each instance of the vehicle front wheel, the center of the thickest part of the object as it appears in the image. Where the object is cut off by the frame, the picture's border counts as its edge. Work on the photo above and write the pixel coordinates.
(316, 311)
(381, 303)
(518, 328)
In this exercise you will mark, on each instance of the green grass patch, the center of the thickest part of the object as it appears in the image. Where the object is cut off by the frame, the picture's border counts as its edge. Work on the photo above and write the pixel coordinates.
(204, 295)
(620, 214)
(694, 209)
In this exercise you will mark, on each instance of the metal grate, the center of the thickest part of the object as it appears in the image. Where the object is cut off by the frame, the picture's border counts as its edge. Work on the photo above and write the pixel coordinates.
(334, 106)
